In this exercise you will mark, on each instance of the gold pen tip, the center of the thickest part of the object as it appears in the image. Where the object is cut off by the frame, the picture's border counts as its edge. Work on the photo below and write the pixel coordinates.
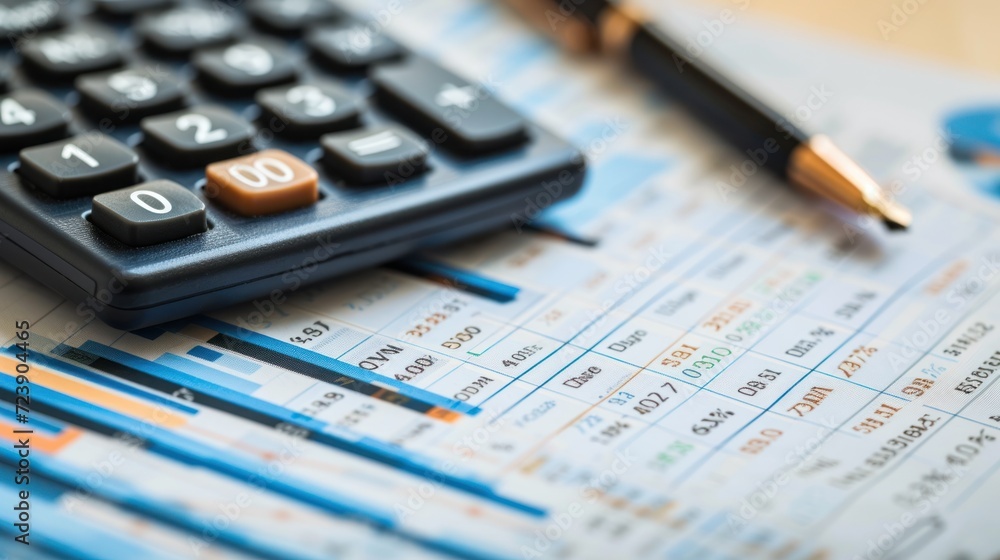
(818, 166)
(894, 216)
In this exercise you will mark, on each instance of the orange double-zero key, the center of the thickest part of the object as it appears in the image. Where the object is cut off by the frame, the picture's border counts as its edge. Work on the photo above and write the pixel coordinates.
(267, 182)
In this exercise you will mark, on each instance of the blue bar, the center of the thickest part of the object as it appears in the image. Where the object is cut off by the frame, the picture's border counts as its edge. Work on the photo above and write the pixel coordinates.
(461, 279)
(238, 364)
(74, 370)
(63, 535)
(189, 452)
(53, 473)
(334, 365)
(200, 384)
(369, 448)
(215, 376)
(169, 444)
(225, 360)
(206, 354)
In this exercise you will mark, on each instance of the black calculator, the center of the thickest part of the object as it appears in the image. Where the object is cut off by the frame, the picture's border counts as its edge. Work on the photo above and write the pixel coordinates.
(162, 158)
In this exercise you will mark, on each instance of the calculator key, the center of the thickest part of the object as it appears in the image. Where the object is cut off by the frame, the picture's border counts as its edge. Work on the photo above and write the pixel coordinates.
(29, 117)
(130, 7)
(79, 166)
(197, 136)
(352, 45)
(131, 94)
(264, 183)
(292, 16)
(65, 54)
(471, 119)
(184, 29)
(308, 110)
(245, 67)
(20, 17)
(387, 154)
(150, 213)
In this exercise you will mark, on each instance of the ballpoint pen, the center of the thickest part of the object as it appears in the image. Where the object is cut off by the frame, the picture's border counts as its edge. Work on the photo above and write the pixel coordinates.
(810, 162)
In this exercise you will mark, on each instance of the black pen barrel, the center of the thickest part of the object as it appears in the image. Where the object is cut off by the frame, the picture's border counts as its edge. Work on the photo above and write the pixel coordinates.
(757, 131)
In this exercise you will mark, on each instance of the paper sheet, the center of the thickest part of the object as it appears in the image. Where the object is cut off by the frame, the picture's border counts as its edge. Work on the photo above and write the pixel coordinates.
(695, 363)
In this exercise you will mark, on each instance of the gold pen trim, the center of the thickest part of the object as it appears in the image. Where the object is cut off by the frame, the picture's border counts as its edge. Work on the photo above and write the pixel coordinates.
(572, 33)
(820, 167)
(816, 166)
(618, 26)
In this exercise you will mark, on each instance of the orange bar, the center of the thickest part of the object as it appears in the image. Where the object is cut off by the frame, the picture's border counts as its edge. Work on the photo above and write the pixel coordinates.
(444, 414)
(98, 396)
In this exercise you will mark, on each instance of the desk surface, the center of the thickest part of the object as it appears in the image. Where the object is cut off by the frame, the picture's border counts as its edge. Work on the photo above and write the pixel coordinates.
(959, 32)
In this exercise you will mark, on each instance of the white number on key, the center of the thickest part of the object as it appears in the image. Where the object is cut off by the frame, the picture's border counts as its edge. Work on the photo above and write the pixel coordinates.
(71, 151)
(263, 171)
(165, 205)
(203, 131)
(315, 102)
(249, 58)
(12, 112)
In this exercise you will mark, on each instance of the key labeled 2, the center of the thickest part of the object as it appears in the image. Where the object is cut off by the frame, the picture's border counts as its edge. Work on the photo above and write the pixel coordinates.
(197, 136)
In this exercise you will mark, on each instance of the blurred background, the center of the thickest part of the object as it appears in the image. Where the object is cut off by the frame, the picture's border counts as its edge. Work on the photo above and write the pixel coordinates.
(959, 32)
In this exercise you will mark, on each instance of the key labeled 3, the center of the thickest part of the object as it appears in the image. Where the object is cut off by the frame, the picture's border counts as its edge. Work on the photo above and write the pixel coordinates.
(264, 183)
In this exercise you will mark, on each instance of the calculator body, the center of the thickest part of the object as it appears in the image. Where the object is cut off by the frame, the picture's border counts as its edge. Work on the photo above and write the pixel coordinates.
(456, 194)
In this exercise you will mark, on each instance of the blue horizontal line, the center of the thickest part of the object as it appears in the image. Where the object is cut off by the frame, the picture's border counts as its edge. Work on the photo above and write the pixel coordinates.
(366, 447)
(334, 365)
(462, 279)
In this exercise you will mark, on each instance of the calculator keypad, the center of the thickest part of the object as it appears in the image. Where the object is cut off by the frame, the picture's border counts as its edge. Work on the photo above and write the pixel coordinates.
(245, 67)
(264, 183)
(278, 123)
(433, 98)
(150, 213)
(130, 7)
(69, 53)
(80, 166)
(4, 76)
(20, 17)
(291, 16)
(184, 29)
(387, 154)
(351, 45)
(29, 117)
(132, 93)
(197, 136)
(307, 111)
